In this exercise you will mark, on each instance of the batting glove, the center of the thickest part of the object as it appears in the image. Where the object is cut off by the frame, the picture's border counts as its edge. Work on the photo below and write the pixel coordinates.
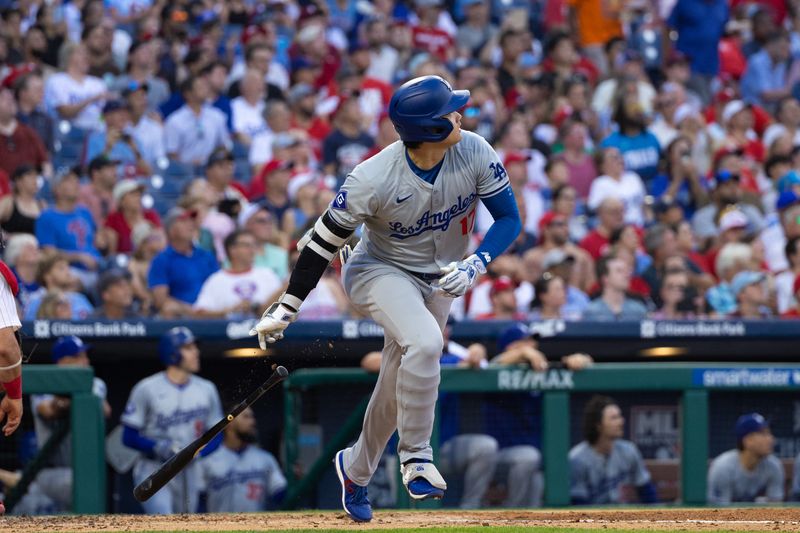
(274, 320)
(344, 253)
(459, 276)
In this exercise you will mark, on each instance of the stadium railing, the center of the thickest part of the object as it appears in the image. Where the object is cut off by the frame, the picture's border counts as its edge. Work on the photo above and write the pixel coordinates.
(693, 383)
(86, 427)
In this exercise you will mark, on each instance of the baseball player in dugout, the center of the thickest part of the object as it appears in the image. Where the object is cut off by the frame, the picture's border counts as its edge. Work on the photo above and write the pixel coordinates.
(240, 477)
(750, 472)
(167, 411)
(416, 199)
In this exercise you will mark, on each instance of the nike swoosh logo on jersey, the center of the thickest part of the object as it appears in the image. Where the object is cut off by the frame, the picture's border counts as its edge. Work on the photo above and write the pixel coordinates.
(401, 200)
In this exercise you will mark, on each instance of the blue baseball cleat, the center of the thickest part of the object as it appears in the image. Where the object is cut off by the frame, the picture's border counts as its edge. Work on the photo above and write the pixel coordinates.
(354, 497)
(423, 481)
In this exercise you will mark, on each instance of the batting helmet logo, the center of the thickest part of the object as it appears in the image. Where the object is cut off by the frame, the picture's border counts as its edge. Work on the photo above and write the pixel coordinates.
(418, 107)
(169, 347)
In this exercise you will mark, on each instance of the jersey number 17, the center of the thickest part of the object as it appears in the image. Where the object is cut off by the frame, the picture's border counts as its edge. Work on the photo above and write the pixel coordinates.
(468, 223)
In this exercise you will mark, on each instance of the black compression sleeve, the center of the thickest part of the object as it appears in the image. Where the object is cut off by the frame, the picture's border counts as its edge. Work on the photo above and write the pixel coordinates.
(311, 265)
(307, 273)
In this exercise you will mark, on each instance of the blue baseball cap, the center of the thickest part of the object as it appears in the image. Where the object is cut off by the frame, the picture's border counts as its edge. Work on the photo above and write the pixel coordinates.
(750, 423)
(788, 180)
(67, 347)
(745, 279)
(515, 333)
(786, 199)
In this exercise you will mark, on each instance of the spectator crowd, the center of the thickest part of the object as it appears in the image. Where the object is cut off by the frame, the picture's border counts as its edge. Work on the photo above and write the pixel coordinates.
(162, 159)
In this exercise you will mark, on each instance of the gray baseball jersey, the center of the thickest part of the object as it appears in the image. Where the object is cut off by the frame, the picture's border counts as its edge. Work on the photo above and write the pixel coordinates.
(241, 482)
(409, 222)
(160, 409)
(729, 482)
(44, 428)
(597, 478)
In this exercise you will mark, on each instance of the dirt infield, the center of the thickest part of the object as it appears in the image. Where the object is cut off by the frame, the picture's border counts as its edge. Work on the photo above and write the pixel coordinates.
(749, 519)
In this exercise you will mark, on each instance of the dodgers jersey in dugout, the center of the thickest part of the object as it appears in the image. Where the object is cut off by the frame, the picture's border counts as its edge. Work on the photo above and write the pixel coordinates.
(240, 481)
(408, 221)
(162, 410)
(597, 479)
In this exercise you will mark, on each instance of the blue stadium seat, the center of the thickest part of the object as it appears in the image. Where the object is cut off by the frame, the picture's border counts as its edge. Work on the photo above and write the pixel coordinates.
(240, 151)
(241, 171)
(60, 160)
(178, 170)
(71, 134)
(69, 147)
(162, 203)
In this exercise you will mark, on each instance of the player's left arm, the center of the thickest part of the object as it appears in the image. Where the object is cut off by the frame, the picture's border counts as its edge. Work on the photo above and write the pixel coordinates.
(458, 277)
(276, 482)
(641, 476)
(495, 192)
(214, 416)
(777, 480)
(506, 227)
(579, 491)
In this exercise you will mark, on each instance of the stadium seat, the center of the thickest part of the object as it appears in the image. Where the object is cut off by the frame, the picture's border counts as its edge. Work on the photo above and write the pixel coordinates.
(241, 171)
(240, 151)
(178, 170)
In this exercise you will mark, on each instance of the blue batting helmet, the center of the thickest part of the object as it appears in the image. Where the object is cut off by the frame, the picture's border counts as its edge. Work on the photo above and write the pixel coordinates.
(169, 347)
(417, 107)
(68, 347)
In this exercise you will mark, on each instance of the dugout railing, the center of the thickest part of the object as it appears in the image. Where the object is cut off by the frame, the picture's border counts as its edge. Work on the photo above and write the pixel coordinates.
(692, 382)
(86, 426)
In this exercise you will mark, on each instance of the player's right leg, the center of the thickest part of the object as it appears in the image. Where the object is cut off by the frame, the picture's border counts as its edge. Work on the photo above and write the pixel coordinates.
(356, 465)
(56, 484)
(524, 475)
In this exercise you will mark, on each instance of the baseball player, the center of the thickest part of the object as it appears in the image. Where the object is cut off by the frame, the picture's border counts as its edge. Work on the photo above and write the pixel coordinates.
(749, 473)
(167, 411)
(240, 477)
(604, 464)
(10, 354)
(417, 199)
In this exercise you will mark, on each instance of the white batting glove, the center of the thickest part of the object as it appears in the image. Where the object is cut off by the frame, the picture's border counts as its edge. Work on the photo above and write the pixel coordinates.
(459, 276)
(165, 449)
(274, 320)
